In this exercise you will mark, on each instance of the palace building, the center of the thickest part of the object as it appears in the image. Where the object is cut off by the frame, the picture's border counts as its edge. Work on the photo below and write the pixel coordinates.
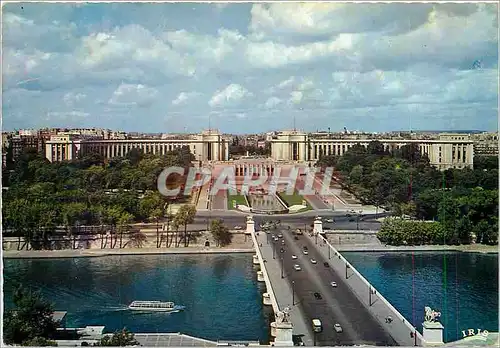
(210, 145)
(449, 150)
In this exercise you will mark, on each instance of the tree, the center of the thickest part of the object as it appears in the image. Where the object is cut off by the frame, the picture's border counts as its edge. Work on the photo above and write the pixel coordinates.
(220, 233)
(31, 321)
(123, 224)
(71, 214)
(184, 217)
(120, 338)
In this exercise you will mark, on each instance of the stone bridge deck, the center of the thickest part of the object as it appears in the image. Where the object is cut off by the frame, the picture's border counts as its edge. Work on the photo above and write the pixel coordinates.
(281, 289)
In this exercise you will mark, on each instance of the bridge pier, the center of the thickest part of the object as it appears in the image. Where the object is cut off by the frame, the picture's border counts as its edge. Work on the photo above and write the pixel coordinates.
(250, 225)
(282, 332)
(260, 276)
(432, 333)
(318, 226)
(266, 299)
(255, 260)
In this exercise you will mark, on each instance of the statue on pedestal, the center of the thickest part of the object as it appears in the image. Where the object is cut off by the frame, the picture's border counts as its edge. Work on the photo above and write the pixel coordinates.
(283, 316)
(431, 315)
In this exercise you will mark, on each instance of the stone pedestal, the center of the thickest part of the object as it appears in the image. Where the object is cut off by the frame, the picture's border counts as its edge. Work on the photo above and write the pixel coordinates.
(255, 260)
(250, 225)
(433, 333)
(266, 299)
(318, 226)
(282, 333)
(260, 276)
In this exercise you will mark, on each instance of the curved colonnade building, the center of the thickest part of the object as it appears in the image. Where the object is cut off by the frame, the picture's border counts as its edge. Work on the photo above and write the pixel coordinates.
(207, 146)
(449, 150)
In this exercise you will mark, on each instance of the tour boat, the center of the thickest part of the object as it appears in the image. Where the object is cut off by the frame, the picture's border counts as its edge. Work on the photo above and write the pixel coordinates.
(155, 306)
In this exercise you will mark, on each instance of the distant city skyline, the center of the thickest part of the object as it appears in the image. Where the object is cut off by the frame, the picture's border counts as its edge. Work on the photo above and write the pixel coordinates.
(250, 68)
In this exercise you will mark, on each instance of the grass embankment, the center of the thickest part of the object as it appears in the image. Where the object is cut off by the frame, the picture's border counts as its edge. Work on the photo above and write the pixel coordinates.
(294, 199)
(239, 199)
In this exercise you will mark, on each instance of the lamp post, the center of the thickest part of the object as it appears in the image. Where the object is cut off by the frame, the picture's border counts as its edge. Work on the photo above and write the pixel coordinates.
(293, 292)
(274, 251)
(346, 267)
(282, 275)
(328, 251)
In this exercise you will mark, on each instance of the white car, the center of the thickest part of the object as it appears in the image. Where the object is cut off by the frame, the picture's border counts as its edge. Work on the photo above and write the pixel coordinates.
(237, 227)
(276, 239)
(297, 267)
(337, 327)
(313, 261)
(306, 252)
(329, 220)
(294, 257)
(333, 284)
(280, 235)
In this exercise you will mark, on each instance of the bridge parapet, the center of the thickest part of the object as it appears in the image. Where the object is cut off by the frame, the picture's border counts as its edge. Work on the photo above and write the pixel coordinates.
(282, 327)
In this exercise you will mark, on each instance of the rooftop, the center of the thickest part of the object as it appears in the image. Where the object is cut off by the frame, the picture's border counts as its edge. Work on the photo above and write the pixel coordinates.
(172, 340)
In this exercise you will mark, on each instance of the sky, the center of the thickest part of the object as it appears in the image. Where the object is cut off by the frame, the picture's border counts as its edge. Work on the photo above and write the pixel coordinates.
(245, 68)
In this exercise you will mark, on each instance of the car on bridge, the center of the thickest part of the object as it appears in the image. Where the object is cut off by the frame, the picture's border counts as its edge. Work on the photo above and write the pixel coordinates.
(294, 257)
(337, 327)
(318, 296)
(317, 327)
(313, 261)
(306, 252)
(326, 264)
(297, 267)
(333, 284)
(238, 227)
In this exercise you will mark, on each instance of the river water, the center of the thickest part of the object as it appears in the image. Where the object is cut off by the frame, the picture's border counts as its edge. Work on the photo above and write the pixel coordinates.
(462, 286)
(222, 297)
(224, 301)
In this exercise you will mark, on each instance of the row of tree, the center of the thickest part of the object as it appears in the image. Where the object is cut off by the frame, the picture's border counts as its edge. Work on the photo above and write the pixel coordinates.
(42, 197)
(463, 201)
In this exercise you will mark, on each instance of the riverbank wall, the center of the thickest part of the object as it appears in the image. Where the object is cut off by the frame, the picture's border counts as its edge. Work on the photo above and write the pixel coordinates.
(14, 254)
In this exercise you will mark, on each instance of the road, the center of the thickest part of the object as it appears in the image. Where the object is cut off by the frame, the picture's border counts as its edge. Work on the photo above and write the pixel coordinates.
(338, 305)
(342, 222)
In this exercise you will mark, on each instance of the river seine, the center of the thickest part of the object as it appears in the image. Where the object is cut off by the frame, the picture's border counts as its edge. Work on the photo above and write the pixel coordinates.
(224, 301)
(462, 286)
(222, 297)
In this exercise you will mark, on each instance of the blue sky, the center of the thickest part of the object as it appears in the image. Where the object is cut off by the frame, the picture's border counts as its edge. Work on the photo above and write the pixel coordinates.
(250, 67)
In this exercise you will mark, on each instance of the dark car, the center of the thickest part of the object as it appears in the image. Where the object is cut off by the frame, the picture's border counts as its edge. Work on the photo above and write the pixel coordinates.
(326, 264)
(296, 238)
(318, 296)
(351, 220)
(305, 248)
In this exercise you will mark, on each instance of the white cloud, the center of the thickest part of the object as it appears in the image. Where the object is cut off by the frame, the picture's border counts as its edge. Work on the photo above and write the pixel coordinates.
(272, 102)
(296, 97)
(72, 98)
(183, 97)
(364, 63)
(128, 95)
(232, 94)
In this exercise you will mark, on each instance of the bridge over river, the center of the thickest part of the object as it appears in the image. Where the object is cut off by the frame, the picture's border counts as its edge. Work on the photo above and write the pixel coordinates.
(365, 316)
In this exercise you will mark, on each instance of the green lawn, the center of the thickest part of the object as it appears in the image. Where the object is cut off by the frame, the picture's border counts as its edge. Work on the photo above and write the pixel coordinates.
(240, 199)
(294, 199)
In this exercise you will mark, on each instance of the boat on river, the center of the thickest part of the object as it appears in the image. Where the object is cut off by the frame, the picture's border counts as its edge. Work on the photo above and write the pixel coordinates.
(155, 306)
